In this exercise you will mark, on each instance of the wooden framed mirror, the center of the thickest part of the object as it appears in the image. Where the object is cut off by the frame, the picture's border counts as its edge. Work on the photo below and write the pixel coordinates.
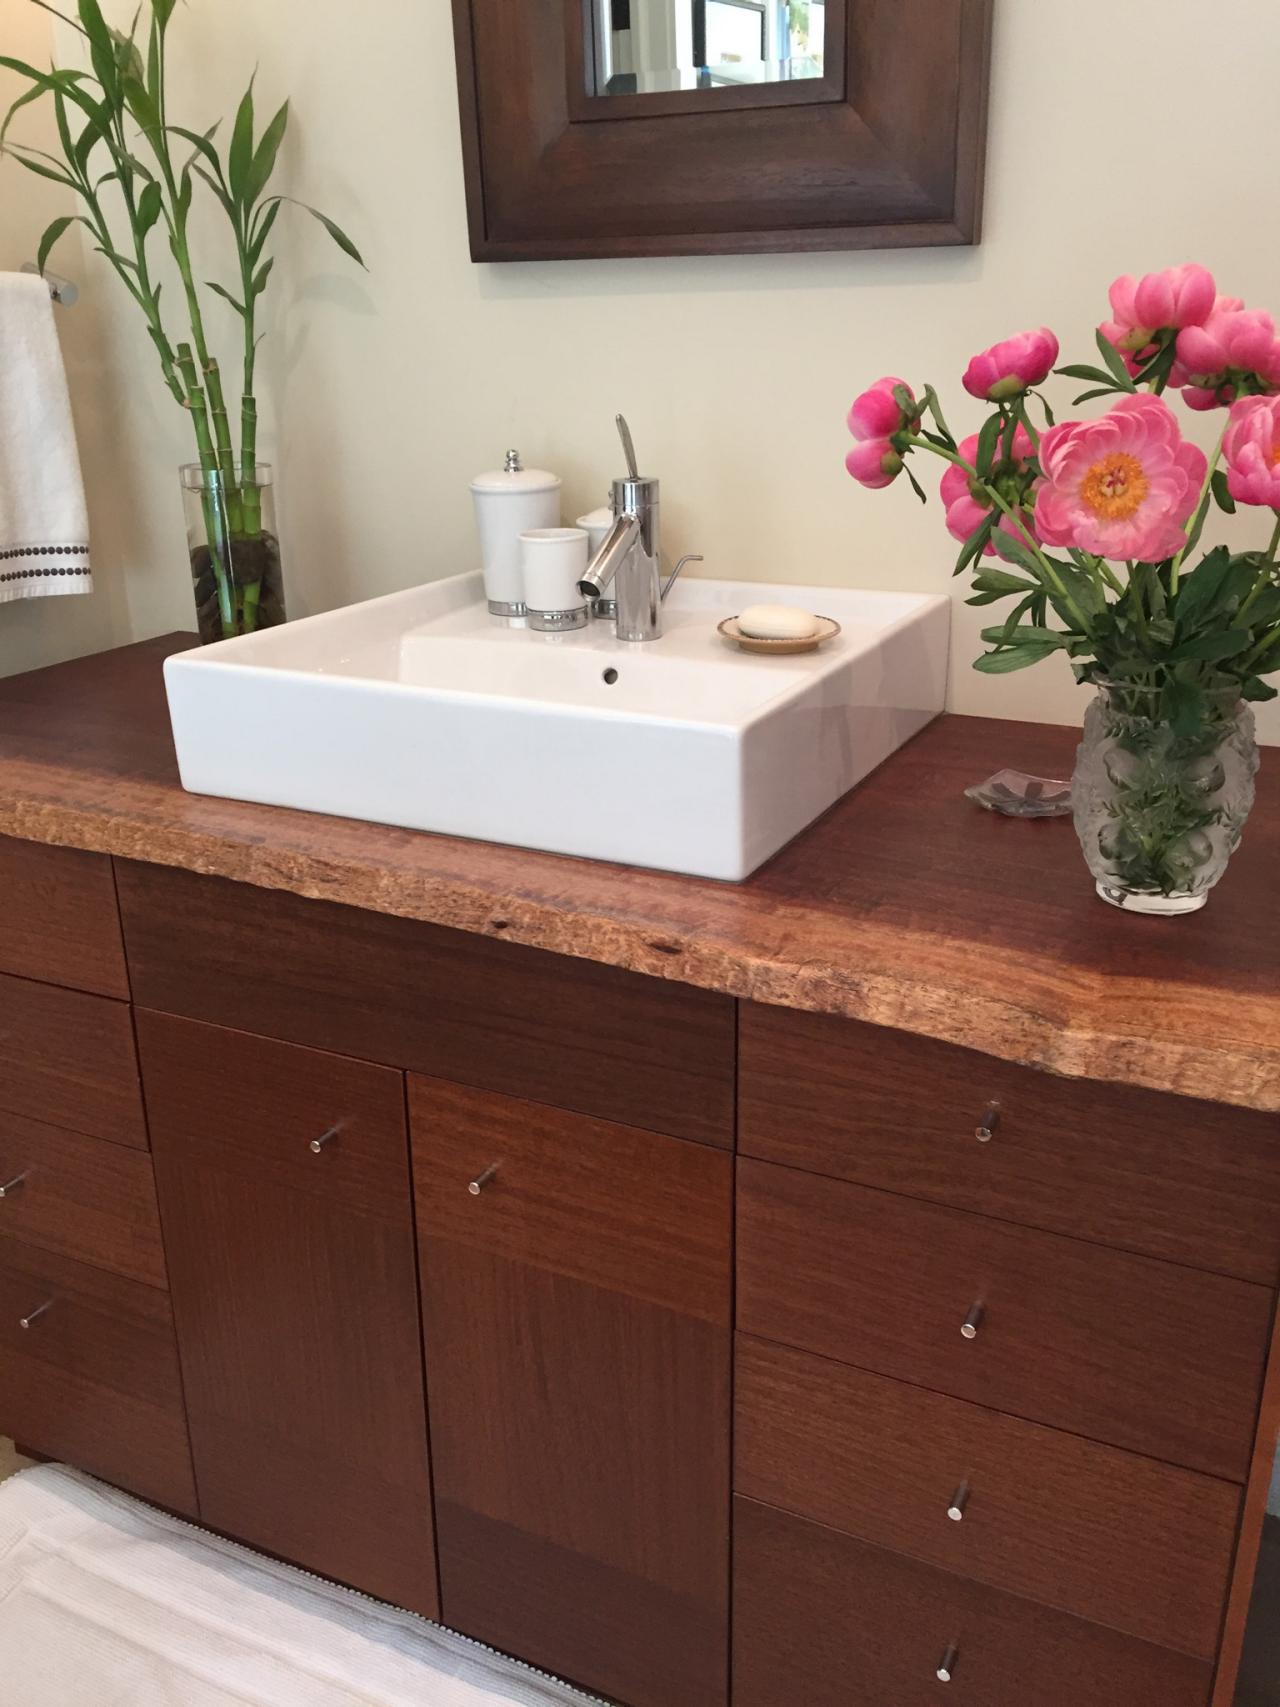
(686, 127)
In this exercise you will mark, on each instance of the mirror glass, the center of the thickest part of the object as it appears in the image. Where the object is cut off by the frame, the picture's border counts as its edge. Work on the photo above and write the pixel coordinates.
(645, 47)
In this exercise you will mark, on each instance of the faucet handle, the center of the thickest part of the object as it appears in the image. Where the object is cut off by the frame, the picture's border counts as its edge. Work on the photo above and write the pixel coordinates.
(628, 447)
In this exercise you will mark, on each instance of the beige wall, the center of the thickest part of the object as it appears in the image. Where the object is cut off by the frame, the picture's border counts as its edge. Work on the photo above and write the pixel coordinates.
(392, 390)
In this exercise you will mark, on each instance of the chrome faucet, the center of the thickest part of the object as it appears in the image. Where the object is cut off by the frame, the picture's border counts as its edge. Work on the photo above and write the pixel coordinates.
(629, 561)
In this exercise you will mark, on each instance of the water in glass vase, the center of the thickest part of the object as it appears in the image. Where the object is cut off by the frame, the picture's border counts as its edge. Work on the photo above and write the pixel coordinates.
(1159, 809)
(235, 552)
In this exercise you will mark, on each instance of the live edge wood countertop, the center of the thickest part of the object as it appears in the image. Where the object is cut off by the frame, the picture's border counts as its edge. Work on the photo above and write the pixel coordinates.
(905, 905)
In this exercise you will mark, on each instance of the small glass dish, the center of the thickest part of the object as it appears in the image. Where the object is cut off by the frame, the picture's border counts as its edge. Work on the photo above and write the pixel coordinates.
(1014, 794)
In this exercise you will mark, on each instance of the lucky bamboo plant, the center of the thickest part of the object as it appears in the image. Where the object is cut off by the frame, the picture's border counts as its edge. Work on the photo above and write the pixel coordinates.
(135, 172)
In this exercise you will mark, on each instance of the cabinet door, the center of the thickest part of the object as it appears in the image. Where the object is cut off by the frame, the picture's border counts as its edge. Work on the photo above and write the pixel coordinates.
(283, 1177)
(576, 1280)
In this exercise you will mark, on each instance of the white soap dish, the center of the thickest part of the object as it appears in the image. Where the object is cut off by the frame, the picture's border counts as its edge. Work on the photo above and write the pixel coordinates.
(827, 629)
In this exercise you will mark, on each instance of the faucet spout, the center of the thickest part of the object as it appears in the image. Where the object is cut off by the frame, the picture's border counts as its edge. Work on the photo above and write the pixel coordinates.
(612, 554)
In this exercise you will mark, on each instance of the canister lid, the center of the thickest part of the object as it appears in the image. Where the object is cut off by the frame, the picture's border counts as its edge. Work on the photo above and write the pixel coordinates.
(515, 478)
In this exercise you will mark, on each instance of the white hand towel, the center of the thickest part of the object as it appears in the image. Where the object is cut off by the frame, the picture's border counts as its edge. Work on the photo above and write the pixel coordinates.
(44, 522)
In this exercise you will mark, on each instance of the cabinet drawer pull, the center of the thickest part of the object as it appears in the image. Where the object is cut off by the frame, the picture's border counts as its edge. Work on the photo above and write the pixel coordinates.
(973, 1321)
(13, 1187)
(959, 1503)
(26, 1323)
(988, 1126)
(478, 1184)
(319, 1145)
(947, 1665)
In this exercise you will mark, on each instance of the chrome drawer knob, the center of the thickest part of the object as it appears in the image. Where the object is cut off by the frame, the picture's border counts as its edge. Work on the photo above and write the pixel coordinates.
(947, 1665)
(14, 1186)
(478, 1184)
(26, 1323)
(959, 1504)
(987, 1127)
(973, 1321)
(319, 1145)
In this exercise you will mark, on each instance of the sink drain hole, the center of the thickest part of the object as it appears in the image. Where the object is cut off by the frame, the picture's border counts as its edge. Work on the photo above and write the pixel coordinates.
(609, 678)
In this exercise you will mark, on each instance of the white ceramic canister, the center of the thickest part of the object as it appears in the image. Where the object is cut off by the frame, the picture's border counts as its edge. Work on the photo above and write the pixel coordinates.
(509, 502)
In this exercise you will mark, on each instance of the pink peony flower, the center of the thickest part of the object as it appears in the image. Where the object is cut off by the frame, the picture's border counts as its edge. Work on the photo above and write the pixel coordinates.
(874, 462)
(876, 414)
(1252, 449)
(965, 511)
(1234, 340)
(1123, 486)
(1010, 368)
(1178, 297)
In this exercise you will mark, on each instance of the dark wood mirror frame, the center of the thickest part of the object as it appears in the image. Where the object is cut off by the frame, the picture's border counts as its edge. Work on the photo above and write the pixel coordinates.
(885, 151)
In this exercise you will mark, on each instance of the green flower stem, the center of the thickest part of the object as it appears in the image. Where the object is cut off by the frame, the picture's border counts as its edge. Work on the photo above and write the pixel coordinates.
(1205, 492)
(1051, 576)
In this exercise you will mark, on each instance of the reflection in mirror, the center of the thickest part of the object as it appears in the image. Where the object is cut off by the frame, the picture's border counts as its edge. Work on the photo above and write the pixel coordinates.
(654, 46)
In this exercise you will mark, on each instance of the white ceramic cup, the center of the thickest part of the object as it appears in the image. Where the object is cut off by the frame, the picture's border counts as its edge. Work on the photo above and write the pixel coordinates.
(554, 561)
(598, 524)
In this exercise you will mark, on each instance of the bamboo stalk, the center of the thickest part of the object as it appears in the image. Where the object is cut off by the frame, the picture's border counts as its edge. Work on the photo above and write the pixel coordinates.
(211, 495)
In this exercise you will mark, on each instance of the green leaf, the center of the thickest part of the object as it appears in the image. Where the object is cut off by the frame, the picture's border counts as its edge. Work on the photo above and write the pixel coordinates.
(51, 236)
(988, 440)
(264, 159)
(262, 275)
(150, 204)
(163, 10)
(916, 487)
(146, 113)
(1088, 396)
(1080, 370)
(1001, 582)
(240, 158)
(974, 546)
(1211, 648)
(218, 189)
(266, 221)
(1201, 590)
(40, 169)
(1040, 636)
(1115, 362)
(935, 409)
(92, 134)
(1222, 492)
(46, 7)
(335, 231)
(1183, 705)
(36, 93)
(1015, 658)
(94, 24)
(1256, 689)
(226, 296)
(203, 145)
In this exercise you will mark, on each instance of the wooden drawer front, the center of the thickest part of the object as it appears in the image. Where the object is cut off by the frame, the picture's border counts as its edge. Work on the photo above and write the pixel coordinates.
(1142, 1354)
(463, 1007)
(1107, 1535)
(256, 1107)
(59, 922)
(80, 1197)
(579, 1391)
(826, 1621)
(94, 1378)
(68, 1059)
(624, 1210)
(1161, 1175)
(295, 1291)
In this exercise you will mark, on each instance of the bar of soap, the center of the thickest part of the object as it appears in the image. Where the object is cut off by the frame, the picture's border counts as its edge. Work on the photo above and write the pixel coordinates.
(777, 622)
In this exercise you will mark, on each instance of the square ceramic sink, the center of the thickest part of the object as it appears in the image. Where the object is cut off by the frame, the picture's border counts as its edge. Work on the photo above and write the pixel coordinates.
(683, 753)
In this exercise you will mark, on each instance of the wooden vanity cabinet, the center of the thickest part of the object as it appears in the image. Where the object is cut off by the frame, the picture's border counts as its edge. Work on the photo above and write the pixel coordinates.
(576, 1283)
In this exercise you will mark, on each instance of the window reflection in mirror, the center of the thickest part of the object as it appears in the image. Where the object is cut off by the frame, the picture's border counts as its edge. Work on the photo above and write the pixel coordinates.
(647, 47)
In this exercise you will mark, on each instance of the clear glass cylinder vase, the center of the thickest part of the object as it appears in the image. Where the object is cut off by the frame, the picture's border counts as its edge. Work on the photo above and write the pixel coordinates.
(1159, 811)
(234, 549)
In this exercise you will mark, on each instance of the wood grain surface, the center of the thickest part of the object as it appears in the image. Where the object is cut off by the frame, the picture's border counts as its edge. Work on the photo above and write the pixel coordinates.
(904, 905)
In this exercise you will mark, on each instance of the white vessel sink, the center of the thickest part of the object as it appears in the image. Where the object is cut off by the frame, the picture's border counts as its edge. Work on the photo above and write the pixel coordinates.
(682, 753)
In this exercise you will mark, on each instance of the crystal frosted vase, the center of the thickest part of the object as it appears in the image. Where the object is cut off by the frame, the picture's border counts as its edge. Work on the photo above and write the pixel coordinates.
(1158, 812)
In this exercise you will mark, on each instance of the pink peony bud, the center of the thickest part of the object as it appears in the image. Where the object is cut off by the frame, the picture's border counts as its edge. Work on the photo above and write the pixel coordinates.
(1180, 296)
(1252, 450)
(1012, 367)
(1233, 341)
(874, 462)
(877, 413)
(966, 508)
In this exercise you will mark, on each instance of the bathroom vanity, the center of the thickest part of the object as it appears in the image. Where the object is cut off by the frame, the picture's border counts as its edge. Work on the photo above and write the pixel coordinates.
(853, 1286)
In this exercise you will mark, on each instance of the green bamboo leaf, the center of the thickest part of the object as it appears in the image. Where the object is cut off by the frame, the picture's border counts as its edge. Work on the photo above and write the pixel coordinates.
(226, 296)
(150, 206)
(128, 59)
(163, 10)
(263, 231)
(262, 275)
(335, 231)
(203, 145)
(218, 190)
(51, 236)
(240, 157)
(146, 113)
(264, 159)
(94, 24)
(36, 93)
(1015, 658)
(92, 134)
(46, 7)
(40, 169)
